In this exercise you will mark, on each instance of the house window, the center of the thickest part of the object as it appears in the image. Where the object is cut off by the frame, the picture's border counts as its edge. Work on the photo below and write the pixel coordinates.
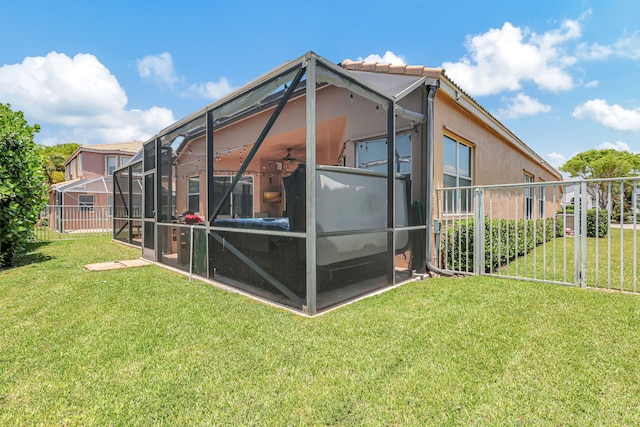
(457, 173)
(71, 170)
(85, 203)
(124, 160)
(193, 194)
(372, 154)
(528, 197)
(112, 164)
(240, 201)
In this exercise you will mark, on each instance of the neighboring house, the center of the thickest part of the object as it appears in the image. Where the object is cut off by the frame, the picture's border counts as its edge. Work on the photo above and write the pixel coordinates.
(84, 200)
(569, 197)
(316, 182)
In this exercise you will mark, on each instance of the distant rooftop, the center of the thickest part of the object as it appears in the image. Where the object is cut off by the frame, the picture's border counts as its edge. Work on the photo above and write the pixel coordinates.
(126, 147)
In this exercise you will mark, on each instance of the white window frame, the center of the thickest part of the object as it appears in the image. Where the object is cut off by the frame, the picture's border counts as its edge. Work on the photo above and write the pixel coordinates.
(528, 195)
(195, 178)
(71, 170)
(383, 162)
(456, 200)
(106, 164)
(541, 200)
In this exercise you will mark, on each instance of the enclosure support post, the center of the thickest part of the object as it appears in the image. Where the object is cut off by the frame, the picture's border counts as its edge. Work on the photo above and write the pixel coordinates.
(391, 183)
(210, 171)
(311, 231)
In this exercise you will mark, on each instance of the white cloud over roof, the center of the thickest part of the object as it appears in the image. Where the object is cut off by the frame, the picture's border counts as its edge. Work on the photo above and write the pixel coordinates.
(503, 58)
(79, 93)
(388, 58)
(522, 105)
(161, 70)
(612, 116)
(556, 159)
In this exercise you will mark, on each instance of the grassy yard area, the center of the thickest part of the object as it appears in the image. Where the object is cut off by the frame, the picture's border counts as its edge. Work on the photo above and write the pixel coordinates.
(609, 265)
(145, 346)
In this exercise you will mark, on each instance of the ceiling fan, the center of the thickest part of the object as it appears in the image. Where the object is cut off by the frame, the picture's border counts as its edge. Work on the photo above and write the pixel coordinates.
(289, 158)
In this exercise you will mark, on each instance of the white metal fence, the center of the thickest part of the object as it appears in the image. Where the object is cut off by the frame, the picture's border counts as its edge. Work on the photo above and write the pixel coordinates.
(73, 222)
(581, 233)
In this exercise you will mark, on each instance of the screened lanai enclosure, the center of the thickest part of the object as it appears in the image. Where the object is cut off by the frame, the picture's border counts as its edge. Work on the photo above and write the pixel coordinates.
(127, 202)
(305, 188)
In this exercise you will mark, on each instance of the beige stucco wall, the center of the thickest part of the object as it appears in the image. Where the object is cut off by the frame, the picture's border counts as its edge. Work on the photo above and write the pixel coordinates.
(88, 164)
(495, 159)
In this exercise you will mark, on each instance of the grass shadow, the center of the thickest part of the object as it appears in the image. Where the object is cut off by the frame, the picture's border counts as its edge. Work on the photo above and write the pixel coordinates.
(31, 256)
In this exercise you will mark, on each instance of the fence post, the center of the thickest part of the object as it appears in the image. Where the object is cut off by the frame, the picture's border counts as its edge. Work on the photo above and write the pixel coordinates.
(580, 245)
(577, 197)
(478, 233)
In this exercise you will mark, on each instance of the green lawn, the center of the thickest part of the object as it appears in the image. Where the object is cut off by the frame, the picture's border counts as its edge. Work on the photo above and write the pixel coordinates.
(146, 346)
(610, 261)
(44, 234)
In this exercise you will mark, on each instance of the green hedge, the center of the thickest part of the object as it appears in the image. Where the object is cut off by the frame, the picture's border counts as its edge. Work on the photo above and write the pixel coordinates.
(500, 234)
(603, 223)
(592, 214)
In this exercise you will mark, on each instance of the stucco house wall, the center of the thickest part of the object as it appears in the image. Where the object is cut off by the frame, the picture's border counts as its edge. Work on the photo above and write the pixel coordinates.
(88, 163)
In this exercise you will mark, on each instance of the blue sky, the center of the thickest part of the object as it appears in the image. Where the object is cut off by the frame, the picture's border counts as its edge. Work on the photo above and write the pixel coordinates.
(563, 76)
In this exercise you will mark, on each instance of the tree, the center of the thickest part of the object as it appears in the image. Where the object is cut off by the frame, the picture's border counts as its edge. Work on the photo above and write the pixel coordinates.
(601, 164)
(22, 183)
(53, 159)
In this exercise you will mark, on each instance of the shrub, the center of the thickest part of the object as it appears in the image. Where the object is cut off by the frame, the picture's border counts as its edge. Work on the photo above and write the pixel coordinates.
(22, 183)
(505, 239)
(602, 218)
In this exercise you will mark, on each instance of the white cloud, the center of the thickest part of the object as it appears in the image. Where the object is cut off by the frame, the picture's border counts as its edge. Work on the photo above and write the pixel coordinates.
(522, 105)
(592, 83)
(160, 70)
(612, 116)
(625, 47)
(593, 51)
(388, 58)
(213, 90)
(556, 159)
(618, 146)
(628, 47)
(80, 97)
(503, 58)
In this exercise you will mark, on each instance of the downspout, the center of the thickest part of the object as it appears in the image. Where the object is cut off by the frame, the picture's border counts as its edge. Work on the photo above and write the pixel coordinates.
(431, 94)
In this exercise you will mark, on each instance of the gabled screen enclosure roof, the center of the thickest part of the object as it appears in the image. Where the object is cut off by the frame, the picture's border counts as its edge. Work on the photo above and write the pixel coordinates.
(101, 185)
(395, 86)
(382, 87)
